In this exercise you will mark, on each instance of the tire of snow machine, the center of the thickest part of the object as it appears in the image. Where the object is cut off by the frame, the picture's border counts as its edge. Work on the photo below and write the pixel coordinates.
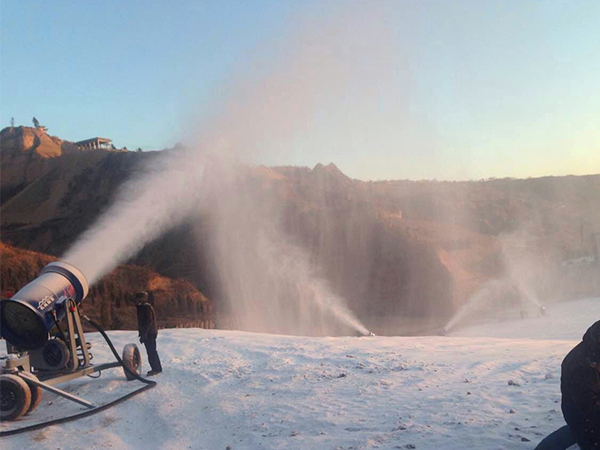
(15, 397)
(36, 395)
(132, 359)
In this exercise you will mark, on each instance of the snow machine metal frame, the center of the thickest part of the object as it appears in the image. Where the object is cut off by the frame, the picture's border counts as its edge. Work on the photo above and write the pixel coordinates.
(74, 361)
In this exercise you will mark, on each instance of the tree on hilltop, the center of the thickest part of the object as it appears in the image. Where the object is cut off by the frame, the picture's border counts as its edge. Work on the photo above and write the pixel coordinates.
(12, 122)
(36, 123)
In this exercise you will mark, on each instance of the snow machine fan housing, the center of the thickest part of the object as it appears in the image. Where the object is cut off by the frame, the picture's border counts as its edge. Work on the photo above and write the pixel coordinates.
(46, 345)
(28, 316)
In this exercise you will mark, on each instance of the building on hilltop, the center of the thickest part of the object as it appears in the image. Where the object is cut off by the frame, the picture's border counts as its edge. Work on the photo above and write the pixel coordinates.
(95, 143)
(37, 125)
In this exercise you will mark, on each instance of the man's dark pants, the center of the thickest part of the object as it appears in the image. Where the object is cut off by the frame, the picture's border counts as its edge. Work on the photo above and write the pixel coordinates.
(153, 358)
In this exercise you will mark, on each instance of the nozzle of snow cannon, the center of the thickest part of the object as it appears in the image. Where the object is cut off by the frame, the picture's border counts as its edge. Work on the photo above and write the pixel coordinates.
(367, 334)
(28, 316)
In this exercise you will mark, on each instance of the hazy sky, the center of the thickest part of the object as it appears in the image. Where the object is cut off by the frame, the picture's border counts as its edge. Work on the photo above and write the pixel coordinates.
(385, 89)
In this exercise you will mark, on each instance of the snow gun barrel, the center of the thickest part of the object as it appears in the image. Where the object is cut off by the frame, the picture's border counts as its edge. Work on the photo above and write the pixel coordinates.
(28, 316)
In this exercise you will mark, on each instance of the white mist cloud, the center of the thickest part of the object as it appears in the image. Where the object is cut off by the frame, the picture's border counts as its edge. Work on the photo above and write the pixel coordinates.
(332, 83)
(335, 58)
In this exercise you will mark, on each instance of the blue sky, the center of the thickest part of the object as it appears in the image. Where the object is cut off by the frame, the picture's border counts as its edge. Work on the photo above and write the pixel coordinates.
(386, 90)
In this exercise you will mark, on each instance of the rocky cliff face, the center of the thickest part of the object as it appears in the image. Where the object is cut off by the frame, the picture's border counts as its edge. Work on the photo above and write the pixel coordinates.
(27, 153)
(417, 249)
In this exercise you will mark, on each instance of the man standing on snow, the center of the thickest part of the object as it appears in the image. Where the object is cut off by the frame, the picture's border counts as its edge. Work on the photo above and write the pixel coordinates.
(148, 331)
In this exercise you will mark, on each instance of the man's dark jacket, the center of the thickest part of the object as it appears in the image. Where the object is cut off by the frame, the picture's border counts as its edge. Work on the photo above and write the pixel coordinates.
(580, 386)
(146, 321)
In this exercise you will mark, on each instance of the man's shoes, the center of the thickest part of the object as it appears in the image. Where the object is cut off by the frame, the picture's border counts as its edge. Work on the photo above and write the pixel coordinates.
(151, 373)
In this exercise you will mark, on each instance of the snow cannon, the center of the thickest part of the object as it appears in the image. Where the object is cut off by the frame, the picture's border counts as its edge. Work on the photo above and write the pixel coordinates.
(367, 334)
(45, 343)
(28, 316)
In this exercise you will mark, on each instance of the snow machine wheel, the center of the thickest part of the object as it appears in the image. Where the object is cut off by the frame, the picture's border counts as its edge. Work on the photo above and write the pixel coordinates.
(132, 359)
(36, 395)
(15, 397)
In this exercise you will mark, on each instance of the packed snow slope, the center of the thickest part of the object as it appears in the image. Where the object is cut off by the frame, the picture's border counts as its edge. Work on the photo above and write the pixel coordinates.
(488, 387)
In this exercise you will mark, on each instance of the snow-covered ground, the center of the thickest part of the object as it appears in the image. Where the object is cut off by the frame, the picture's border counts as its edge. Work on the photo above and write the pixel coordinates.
(487, 387)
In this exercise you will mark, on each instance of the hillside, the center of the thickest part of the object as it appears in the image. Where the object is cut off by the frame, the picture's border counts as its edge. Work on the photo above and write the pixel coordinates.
(176, 302)
(49, 198)
(408, 252)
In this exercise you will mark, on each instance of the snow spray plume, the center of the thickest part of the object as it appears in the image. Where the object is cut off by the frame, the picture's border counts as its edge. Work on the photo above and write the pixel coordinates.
(161, 195)
(486, 299)
(344, 50)
(525, 274)
(268, 281)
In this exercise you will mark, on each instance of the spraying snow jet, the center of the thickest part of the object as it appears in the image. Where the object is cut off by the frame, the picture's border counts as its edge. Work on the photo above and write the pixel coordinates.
(270, 281)
(525, 275)
(485, 300)
(160, 196)
(266, 279)
(263, 275)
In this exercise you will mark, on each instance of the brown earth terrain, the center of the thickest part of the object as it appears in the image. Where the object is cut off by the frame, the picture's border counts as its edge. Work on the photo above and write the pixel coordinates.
(177, 302)
(409, 249)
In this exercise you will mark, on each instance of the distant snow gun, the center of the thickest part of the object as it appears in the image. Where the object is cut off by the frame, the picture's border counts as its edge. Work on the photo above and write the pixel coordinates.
(362, 334)
(45, 342)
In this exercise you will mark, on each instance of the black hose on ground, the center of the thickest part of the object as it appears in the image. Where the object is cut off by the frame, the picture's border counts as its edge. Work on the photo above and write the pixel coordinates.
(114, 351)
(149, 385)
